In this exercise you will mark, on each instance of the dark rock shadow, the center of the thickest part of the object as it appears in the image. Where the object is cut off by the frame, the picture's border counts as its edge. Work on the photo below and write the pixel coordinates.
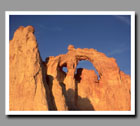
(63, 89)
(70, 100)
(48, 89)
(78, 75)
(82, 104)
(49, 80)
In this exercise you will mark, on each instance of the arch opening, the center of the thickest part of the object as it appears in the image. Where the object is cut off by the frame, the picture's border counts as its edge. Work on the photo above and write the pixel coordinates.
(64, 69)
(85, 64)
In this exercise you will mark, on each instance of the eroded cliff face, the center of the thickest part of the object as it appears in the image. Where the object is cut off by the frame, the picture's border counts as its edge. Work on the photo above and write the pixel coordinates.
(38, 85)
(27, 78)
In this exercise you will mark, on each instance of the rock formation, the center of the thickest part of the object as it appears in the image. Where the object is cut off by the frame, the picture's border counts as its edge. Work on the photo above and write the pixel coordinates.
(27, 80)
(38, 85)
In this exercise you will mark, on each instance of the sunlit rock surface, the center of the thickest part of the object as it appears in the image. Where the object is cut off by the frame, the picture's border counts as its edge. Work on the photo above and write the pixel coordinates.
(38, 85)
(27, 79)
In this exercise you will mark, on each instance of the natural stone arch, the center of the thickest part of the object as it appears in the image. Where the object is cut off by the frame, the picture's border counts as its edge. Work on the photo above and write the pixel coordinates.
(100, 61)
(107, 68)
(104, 65)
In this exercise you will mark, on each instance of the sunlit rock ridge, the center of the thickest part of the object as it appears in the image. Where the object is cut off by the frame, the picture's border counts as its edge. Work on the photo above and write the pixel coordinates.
(43, 85)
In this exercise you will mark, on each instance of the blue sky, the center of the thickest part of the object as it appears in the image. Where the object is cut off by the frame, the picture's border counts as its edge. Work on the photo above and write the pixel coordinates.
(109, 34)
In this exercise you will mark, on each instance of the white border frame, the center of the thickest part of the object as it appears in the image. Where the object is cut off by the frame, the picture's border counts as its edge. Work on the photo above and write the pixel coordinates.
(131, 13)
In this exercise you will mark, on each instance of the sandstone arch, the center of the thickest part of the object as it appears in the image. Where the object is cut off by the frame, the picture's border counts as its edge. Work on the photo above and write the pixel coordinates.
(96, 91)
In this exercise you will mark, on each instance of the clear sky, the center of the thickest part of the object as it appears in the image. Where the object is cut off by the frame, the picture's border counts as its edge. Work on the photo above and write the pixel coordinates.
(108, 34)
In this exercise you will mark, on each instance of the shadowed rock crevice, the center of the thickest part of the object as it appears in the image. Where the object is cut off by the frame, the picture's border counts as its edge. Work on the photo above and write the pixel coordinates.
(82, 104)
(52, 105)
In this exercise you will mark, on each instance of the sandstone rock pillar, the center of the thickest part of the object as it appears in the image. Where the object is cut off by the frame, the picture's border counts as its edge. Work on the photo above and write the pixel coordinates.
(27, 81)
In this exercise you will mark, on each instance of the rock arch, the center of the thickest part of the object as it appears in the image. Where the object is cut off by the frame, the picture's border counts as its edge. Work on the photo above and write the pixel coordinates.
(92, 89)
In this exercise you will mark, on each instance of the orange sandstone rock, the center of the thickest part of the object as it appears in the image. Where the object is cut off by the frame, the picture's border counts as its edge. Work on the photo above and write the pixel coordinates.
(27, 79)
(38, 85)
(84, 91)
